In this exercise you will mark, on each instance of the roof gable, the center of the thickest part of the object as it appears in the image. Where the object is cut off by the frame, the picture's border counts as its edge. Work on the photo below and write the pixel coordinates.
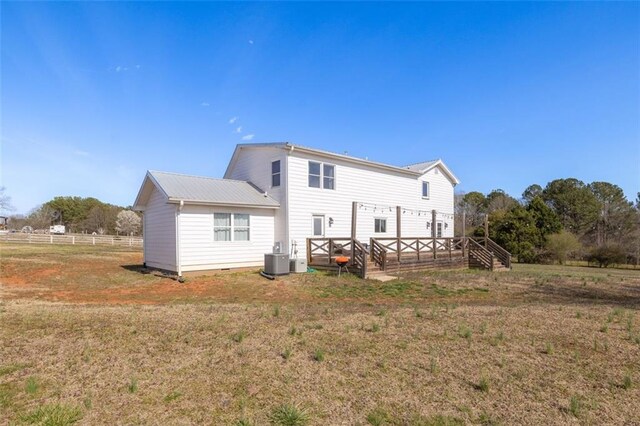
(426, 166)
(416, 171)
(203, 190)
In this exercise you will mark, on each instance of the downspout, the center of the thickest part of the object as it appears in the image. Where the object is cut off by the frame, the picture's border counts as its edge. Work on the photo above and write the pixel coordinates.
(178, 260)
(144, 240)
(286, 212)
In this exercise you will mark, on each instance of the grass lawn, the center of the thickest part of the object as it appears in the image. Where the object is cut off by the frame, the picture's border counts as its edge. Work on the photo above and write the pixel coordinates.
(86, 337)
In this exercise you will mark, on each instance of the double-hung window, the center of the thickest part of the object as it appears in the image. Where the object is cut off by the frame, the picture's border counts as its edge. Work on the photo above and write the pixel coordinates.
(314, 174)
(275, 173)
(329, 176)
(439, 230)
(380, 225)
(322, 175)
(231, 227)
(240, 227)
(425, 189)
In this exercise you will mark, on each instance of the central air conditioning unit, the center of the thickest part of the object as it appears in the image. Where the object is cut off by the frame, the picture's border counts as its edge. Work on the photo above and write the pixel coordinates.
(276, 264)
(298, 265)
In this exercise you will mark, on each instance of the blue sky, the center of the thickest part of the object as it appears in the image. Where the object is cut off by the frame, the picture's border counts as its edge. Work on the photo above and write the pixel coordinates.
(508, 94)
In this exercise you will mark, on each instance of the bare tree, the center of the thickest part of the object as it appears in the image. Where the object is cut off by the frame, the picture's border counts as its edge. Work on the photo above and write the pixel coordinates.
(5, 201)
(41, 217)
(128, 222)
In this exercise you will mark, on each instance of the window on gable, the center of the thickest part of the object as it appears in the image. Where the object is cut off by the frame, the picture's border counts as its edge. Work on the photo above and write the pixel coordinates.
(380, 225)
(231, 227)
(425, 189)
(314, 174)
(275, 173)
(329, 179)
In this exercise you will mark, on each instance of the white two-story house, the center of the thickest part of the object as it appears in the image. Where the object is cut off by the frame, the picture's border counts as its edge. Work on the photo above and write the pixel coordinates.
(277, 195)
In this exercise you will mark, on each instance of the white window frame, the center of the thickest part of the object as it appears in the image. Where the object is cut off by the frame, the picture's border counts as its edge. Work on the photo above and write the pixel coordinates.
(278, 173)
(313, 225)
(439, 230)
(382, 221)
(321, 177)
(428, 186)
(232, 227)
(333, 178)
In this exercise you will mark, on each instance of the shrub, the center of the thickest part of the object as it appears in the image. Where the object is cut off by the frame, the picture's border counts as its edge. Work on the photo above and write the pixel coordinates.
(561, 245)
(606, 255)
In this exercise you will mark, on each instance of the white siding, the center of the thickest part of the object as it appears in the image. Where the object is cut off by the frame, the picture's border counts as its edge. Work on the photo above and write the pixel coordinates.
(367, 185)
(254, 165)
(198, 250)
(160, 232)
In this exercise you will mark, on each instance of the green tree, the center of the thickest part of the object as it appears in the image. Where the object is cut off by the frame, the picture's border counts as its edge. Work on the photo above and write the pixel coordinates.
(499, 200)
(574, 203)
(515, 230)
(546, 220)
(616, 215)
(531, 192)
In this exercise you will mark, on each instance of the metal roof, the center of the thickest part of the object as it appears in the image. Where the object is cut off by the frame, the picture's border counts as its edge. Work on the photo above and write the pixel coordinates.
(205, 190)
(419, 167)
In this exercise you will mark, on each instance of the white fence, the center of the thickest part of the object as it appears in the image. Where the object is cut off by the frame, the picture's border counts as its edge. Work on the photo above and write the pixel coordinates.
(103, 240)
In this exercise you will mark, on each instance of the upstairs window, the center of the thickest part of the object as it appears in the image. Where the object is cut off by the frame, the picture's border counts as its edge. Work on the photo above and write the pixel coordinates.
(322, 175)
(275, 173)
(425, 189)
(329, 176)
(314, 174)
(380, 225)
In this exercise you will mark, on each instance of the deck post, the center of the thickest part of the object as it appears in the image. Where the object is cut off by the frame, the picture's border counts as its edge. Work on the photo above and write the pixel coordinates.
(308, 251)
(433, 232)
(464, 230)
(330, 251)
(486, 230)
(399, 229)
(354, 219)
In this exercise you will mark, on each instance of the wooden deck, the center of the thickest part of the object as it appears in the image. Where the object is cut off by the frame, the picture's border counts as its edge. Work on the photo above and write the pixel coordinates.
(394, 255)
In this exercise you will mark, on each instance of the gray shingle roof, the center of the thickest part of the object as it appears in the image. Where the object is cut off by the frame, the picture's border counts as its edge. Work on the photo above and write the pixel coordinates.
(197, 189)
(418, 167)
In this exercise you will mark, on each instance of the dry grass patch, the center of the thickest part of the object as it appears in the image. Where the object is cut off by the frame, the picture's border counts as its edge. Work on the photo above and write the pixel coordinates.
(122, 347)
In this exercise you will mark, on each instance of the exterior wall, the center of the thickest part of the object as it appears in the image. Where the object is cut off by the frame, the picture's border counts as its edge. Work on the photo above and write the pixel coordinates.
(160, 232)
(381, 191)
(198, 250)
(254, 165)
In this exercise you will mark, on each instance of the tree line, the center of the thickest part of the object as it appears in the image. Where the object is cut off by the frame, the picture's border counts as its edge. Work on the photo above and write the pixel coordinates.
(80, 215)
(565, 219)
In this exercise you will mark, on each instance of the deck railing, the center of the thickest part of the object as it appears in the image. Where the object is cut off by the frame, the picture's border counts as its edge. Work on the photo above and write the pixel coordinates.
(417, 246)
(323, 251)
(501, 254)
